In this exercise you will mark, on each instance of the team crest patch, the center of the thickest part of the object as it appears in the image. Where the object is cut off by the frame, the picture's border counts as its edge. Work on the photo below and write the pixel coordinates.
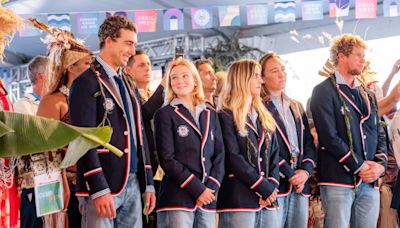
(183, 131)
(108, 104)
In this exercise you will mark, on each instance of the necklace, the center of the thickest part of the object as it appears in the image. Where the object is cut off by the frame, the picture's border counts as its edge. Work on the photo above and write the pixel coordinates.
(64, 90)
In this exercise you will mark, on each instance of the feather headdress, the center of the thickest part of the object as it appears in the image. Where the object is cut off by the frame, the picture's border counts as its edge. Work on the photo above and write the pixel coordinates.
(63, 51)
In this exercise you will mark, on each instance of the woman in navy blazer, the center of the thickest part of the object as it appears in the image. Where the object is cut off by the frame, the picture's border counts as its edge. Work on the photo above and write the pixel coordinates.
(251, 168)
(190, 149)
(297, 155)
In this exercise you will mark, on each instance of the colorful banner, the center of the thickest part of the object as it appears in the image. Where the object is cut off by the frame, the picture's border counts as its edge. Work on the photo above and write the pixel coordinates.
(257, 14)
(366, 8)
(173, 19)
(229, 15)
(60, 20)
(28, 30)
(285, 11)
(312, 10)
(202, 18)
(391, 8)
(146, 20)
(88, 23)
(339, 8)
(116, 13)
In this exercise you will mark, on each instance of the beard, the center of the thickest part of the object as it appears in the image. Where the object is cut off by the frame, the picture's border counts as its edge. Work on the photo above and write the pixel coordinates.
(354, 72)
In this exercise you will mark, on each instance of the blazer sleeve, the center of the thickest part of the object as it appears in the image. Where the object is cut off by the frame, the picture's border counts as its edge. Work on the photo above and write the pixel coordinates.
(273, 172)
(323, 112)
(83, 112)
(176, 171)
(310, 156)
(242, 170)
(153, 104)
(285, 168)
(381, 152)
(218, 160)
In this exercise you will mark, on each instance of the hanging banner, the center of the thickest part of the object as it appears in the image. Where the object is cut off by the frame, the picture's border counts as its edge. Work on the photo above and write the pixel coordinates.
(173, 19)
(391, 8)
(116, 13)
(61, 21)
(366, 8)
(229, 15)
(257, 14)
(146, 20)
(202, 18)
(285, 11)
(339, 8)
(87, 23)
(28, 30)
(312, 10)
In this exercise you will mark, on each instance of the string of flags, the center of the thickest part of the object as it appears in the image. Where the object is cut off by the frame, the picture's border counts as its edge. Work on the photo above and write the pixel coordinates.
(202, 18)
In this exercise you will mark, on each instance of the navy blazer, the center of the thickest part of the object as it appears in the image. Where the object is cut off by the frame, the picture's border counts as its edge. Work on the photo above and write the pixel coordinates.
(307, 156)
(337, 166)
(192, 157)
(100, 171)
(251, 166)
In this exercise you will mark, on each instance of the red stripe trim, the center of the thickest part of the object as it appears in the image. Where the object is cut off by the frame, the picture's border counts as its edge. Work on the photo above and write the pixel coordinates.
(175, 208)
(187, 120)
(349, 100)
(381, 155)
(281, 194)
(258, 182)
(92, 172)
(336, 184)
(147, 167)
(310, 160)
(282, 162)
(214, 180)
(345, 157)
(111, 92)
(231, 176)
(203, 143)
(239, 209)
(190, 178)
(81, 193)
(285, 139)
(252, 127)
(273, 180)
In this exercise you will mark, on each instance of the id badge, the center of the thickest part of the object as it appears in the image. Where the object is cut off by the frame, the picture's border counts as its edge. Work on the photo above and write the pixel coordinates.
(49, 196)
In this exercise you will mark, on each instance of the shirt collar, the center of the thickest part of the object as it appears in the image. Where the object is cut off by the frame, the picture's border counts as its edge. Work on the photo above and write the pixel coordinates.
(284, 97)
(177, 101)
(340, 80)
(109, 70)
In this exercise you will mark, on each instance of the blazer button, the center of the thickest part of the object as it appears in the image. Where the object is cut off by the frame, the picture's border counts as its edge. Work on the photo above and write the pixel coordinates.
(365, 136)
(126, 150)
(205, 174)
(125, 132)
(262, 173)
(260, 159)
(204, 159)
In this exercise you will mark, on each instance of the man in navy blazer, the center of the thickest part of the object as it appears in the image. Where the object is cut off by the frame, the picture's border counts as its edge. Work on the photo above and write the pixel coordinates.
(352, 144)
(108, 187)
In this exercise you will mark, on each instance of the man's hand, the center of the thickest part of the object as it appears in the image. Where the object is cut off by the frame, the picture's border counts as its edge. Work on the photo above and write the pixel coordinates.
(206, 197)
(372, 172)
(105, 206)
(150, 199)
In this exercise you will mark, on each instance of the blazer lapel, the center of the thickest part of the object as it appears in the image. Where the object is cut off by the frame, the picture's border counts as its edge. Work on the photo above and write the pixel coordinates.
(108, 85)
(186, 116)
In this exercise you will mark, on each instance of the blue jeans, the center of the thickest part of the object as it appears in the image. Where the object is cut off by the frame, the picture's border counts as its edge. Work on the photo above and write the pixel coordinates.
(293, 211)
(185, 219)
(268, 218)
(239, 219)
(344, 206)
(128, 205)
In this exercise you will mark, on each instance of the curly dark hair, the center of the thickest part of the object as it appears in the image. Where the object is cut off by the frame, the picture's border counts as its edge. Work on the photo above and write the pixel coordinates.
(111, 28)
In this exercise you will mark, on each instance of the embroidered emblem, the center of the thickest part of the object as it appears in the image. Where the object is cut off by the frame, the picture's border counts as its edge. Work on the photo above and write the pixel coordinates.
(212, 135)
(183, 131)
(108, 104)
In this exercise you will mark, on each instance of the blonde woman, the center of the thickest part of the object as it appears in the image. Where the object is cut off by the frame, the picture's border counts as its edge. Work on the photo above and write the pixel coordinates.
(190, 149)
(251, 176)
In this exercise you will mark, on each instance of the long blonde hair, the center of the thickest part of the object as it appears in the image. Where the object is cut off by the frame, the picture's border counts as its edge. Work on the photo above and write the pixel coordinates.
(198, 94)
(237, 98)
